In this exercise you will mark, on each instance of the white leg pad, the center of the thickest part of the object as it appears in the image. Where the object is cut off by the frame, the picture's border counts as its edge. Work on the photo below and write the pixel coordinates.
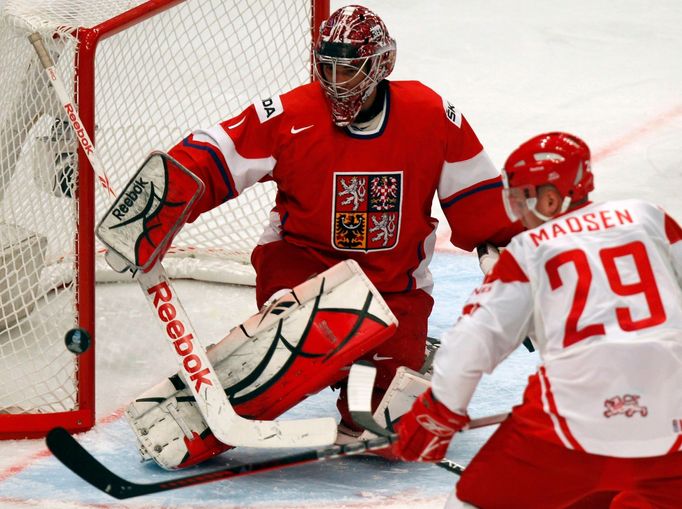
(269, 358)
(161, 424)
(405, 387)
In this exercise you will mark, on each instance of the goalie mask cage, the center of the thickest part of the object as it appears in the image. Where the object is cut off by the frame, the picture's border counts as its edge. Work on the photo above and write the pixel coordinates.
(143, 74)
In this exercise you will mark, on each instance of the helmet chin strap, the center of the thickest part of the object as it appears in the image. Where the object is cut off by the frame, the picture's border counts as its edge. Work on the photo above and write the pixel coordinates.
(541, 217)
(564, 207)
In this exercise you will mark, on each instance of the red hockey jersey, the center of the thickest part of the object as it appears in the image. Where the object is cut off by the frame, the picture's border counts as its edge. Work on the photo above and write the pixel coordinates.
(347, 193)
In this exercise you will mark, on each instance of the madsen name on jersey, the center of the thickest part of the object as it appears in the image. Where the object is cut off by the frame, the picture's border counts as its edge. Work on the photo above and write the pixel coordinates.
(577, 223)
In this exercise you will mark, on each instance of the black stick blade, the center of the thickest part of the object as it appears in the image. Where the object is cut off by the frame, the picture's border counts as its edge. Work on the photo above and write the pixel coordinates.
(67, 450)
(367, 421)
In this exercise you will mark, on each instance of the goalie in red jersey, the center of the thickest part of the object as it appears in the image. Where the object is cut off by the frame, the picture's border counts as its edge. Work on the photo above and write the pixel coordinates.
(357, 160)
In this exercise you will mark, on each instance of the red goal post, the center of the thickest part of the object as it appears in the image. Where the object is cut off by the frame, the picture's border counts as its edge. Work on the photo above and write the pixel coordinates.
(144, 74)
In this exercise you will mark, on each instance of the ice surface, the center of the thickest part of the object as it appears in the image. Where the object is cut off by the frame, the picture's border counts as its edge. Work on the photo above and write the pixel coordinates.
(608, 74)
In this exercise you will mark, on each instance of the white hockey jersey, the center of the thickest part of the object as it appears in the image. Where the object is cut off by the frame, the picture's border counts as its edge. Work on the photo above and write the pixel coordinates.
(599, 292)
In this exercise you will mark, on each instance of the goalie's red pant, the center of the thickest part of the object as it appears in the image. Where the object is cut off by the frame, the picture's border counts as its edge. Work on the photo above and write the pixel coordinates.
(282, 265)
(516, 471)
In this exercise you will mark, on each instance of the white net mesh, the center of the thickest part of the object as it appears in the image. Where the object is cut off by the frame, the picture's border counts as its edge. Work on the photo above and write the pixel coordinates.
(182, 68)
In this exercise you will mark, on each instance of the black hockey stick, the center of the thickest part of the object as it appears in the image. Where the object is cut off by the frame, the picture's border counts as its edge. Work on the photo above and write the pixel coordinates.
(67, 450)
(360, 378)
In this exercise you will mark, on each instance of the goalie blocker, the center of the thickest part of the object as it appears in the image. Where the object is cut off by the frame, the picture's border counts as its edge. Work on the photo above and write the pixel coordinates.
(295, 347)
(145, 217)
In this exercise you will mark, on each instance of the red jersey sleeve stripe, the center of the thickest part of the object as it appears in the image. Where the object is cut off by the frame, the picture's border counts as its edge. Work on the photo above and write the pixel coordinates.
(672, 230)
(218, 161)
(507, 270)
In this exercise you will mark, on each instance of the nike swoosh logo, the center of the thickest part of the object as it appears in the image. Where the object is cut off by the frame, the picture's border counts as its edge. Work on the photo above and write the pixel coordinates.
(377, 357)
(296, 131)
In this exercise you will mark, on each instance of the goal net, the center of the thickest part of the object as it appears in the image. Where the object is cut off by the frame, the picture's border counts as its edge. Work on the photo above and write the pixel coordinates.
(143, 75)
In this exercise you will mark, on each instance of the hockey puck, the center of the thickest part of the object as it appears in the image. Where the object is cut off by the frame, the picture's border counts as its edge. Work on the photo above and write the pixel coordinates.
(77, 340)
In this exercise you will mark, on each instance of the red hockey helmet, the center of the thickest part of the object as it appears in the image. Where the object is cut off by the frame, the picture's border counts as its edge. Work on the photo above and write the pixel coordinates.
(559, 159)
(353, 54)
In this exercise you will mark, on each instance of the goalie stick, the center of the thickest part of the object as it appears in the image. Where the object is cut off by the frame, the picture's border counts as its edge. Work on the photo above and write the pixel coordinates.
(360, 384)
(228, 426)
(74, 456)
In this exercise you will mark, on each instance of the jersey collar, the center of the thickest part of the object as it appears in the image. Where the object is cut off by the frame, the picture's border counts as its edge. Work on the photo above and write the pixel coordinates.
(374, 126)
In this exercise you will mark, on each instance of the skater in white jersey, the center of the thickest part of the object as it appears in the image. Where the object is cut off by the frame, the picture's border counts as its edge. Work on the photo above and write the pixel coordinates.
(598, 289)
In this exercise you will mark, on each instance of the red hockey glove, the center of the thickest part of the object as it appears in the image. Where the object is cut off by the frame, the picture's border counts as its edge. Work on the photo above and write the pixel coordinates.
(427, 429)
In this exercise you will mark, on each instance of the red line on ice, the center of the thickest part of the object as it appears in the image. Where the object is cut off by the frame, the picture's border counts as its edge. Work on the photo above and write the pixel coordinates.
(44, 453)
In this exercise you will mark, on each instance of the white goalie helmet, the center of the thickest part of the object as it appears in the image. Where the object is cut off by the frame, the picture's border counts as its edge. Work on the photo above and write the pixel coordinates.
(354, 52)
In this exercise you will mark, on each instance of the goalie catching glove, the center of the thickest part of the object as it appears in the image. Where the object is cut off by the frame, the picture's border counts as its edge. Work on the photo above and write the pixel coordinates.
(426, 430)
(139, 227)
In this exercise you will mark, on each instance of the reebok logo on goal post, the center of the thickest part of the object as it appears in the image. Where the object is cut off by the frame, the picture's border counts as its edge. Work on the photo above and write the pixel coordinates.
(79, 129)
(175, 331)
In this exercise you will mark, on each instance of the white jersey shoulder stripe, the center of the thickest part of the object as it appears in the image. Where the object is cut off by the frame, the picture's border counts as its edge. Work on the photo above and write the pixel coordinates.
(245, 172)
(461, 175)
